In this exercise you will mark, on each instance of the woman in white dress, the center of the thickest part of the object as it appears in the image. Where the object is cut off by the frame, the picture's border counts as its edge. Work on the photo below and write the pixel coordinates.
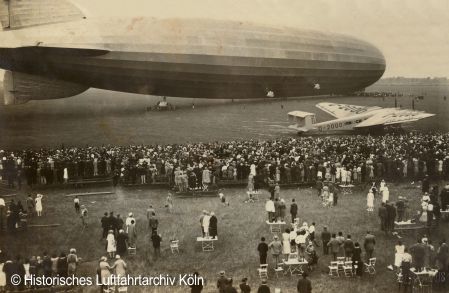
(250, 182)
(424, 206)
(330, 200)
(38, 204)
(169, 202)
(286, 249)
(111, 246)
(399, 250)
(370, 201)
(385, 194)
(206, 223)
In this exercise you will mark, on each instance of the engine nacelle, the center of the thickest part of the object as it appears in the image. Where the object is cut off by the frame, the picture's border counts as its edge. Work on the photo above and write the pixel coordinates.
(19, 88)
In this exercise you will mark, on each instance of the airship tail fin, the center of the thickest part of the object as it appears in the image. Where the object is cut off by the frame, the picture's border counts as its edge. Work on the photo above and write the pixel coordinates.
(19, 88)
(16, 14)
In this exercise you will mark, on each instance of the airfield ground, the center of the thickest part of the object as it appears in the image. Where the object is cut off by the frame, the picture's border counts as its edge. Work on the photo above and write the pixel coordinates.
(240, 227)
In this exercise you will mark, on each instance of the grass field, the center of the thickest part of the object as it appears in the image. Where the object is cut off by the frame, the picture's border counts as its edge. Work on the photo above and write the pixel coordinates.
(240, 227)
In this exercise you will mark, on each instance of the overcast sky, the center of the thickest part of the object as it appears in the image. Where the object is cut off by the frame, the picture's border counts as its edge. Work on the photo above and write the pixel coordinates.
(412, 34)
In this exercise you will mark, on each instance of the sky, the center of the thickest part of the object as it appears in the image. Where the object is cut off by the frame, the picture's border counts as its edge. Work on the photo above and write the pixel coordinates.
(412, 34)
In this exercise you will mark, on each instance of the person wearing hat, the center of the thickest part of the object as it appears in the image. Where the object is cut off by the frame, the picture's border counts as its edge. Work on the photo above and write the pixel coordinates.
(213, 225)
(244, 287)
(264, 288)
(400, 208)
(128, 221)
(425, 184)
(444, 198)
(293, 210)
(276, 249)
(132, 233)
(83, 216)
(122, 242)
(72, 262)
(156, 239)
(38, 204)
(111, 245)
(119, 266)
(222, 282)
(112, 221)
(103, 272)
(105, 225)
(304, 285)
(198, 286)
(229, 287)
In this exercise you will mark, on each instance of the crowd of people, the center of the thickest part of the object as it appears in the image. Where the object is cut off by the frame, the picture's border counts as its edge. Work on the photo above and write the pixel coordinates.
(200, 165)
(325, 161)
(62, 265)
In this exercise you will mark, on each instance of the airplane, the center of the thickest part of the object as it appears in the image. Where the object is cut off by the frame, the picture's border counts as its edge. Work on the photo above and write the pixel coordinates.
(352, 117)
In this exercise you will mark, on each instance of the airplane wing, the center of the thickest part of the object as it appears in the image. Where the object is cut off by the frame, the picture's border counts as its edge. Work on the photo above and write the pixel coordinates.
(395, 117)
(344, 110)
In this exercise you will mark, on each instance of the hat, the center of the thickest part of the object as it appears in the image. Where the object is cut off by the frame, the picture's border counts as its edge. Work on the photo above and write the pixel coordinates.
(276, 237)
(117, 256)
(72, 250)
(103, 258)
(130, 214)
(222, 273)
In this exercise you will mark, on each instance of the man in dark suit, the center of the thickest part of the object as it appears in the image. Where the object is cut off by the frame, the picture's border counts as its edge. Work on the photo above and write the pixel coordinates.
(263, 288)
(418, 252)
(105, 225)
(325, 238)
(244, 287)
(391, 216)
(263, 251)
(293, 210)
(222, 282)
(304, 285)
(383, 215)
(370, 242)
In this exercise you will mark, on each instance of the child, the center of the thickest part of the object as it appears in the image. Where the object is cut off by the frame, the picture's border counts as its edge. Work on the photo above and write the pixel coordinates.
(76, 201)
(83, 216)
(223, 199)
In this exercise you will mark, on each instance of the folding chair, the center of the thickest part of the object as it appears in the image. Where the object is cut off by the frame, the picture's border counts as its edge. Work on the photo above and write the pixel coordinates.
(278, 269)
(370, 266)
(341, 263)
(174, 246)
(132, 250)
(263, 271)
(333, 269)
(347, 268)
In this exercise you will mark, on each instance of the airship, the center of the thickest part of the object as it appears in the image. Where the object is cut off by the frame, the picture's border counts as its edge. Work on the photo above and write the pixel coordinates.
(49, 49)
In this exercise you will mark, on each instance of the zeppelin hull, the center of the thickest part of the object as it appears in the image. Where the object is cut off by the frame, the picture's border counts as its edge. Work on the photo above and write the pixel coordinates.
(207, 59)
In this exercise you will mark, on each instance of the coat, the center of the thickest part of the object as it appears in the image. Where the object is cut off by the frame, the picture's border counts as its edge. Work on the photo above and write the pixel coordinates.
(334, 245)
(294, 209)
(276, 247)
(369, 242)
(213, 226)
(304, 286)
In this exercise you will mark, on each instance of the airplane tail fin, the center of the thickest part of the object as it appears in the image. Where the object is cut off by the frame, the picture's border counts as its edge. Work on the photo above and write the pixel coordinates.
(16, 14)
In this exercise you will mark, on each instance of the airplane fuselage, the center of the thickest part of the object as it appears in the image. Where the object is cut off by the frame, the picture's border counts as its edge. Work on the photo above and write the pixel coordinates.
(347, 123)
